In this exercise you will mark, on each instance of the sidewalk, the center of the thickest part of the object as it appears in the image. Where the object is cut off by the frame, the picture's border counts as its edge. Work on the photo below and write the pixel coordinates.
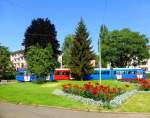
(8, 110)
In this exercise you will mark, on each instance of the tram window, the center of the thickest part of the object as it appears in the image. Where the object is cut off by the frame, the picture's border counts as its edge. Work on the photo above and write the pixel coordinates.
(105, 72)
(125, 72)
(135, 72)
(122, 72)
(65, 73)
(139, 72)
(96, 72)
(117, 72)
(20, 73)
(57, 73)
(129, 72)
(60, 73)
(132, 72)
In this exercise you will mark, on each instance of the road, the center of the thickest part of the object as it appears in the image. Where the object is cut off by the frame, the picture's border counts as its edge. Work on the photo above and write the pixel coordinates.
(8, 110)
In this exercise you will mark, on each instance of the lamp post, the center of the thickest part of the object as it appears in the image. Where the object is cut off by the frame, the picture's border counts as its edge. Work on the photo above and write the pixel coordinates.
(100, 69)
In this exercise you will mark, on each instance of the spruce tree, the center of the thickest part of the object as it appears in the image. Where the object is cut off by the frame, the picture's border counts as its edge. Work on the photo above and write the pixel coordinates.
(104, 37)
(81, 53)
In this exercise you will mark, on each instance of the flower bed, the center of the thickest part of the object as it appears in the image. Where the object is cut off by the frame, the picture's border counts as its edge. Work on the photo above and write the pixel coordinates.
(143, 84)
(94, 91)
(115, 102)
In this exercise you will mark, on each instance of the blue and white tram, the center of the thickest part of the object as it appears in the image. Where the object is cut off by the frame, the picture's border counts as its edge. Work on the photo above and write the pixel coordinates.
(116, 73)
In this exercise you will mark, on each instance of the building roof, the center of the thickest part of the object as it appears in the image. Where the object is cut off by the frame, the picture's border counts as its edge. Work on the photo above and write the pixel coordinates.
(16, 52)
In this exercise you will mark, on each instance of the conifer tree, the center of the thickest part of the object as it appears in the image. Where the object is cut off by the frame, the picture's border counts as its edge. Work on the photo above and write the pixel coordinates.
(104, 38)
(81, 53)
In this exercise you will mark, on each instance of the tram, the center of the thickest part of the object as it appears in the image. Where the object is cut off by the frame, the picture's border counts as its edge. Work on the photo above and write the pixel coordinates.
(116, 73)
(106, 74)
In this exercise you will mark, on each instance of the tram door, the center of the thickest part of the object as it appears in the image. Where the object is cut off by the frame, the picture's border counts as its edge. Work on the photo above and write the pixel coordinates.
(26, 77)
(118, 74)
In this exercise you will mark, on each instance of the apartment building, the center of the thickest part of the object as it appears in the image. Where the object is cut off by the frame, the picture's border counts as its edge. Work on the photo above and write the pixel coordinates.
(18, 59)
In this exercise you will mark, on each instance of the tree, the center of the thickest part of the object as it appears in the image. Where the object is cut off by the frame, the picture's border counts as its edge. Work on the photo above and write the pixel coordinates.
(41, 32)
(7, 70)
(40, 61)
(68, 43)
(104, 40)
(81, 53)
(127, 48)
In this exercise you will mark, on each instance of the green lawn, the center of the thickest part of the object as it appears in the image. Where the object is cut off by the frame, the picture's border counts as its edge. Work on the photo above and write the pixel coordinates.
(30, 93)
(137, 103)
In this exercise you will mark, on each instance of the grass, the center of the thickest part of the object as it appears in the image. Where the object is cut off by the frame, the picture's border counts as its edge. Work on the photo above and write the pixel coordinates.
(148, 76)
(28, 93)
(34, 94)
(137, 103)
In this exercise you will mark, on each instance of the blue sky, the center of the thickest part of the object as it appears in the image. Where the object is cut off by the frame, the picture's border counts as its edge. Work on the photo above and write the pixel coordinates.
(16, 16)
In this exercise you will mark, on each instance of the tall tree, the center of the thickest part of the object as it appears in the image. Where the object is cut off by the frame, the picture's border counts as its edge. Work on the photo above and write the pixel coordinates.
(41, 32)
(103, 42)
(127, 48)
(7, 70)
(67, 45)
(40, 61)
(81, 53)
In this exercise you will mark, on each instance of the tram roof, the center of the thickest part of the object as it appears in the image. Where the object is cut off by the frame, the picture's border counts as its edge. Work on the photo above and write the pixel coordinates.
(62, 69)
(118, 68)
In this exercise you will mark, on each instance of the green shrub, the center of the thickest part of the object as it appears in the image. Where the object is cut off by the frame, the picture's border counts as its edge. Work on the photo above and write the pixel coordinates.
(40, 80)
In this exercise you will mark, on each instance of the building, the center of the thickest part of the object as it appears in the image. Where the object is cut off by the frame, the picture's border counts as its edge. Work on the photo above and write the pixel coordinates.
(18, 59)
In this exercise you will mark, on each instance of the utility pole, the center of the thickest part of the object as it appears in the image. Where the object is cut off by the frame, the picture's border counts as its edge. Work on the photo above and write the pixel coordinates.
(100, 67)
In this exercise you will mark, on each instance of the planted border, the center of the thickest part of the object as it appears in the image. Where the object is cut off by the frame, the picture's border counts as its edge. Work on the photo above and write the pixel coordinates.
(95, 91)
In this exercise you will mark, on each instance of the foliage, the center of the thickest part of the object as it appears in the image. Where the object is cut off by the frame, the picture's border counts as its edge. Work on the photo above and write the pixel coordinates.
(81, 53)
(39, 80)
(68, 43)
(40, 61)
(41, 32)
(7, 70)
(96, 92)
(125, 48)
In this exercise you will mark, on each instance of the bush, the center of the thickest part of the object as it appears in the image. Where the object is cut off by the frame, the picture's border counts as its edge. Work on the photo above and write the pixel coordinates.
(40, 80)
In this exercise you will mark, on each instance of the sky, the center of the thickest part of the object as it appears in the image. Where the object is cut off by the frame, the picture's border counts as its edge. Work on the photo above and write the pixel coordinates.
(16, 16)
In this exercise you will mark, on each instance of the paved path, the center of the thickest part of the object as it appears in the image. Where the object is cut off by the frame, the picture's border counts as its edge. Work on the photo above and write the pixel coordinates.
(8, 110)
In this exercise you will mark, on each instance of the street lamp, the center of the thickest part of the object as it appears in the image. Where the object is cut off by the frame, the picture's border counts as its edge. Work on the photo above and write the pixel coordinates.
(100, 69)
